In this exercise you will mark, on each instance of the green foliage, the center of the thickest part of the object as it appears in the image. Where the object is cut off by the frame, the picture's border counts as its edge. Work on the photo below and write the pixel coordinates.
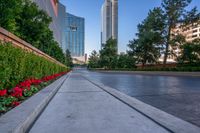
(108, 54)
(173, 69)
(9, 12)
(26, 20)
(5, 102)
(155, 36)
(147, 47)
(125, 61)
(28, 93)
(174, 11)
(190, 52)
(108, 58)
(94, 60)
(68, 58)
(16, 65)
(34, 89)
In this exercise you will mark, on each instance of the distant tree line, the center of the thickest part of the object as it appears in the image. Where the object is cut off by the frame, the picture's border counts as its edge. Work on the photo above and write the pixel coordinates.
(155, 38)
(24, 19)
(109, 59)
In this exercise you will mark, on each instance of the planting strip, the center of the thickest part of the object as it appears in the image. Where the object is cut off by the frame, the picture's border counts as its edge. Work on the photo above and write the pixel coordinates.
(21, 118)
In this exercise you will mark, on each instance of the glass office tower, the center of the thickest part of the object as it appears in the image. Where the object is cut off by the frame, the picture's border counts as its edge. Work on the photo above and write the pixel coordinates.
(75, 35)
(109, 15)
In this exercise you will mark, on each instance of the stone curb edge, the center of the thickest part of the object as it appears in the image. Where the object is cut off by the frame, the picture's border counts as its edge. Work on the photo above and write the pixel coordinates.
(21, 118)
(156, 73)
(165, 120)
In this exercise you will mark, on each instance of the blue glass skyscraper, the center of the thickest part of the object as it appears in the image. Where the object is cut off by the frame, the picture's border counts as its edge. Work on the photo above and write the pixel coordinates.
(75, 35)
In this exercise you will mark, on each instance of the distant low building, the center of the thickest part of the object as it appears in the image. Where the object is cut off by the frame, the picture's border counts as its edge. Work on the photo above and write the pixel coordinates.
(190, 32)
(80, 59)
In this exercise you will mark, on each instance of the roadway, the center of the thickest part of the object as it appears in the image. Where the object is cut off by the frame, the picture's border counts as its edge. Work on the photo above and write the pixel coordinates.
(176, 95)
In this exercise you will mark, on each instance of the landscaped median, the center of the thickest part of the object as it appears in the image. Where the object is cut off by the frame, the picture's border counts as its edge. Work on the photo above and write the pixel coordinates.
(22, 74)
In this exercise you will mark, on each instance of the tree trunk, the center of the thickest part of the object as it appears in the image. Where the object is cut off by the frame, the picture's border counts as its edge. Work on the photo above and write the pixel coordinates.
(167, 46)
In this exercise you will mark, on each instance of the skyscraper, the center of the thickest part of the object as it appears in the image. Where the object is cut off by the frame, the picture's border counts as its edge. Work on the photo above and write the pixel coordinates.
(75, 35)
(109, 14)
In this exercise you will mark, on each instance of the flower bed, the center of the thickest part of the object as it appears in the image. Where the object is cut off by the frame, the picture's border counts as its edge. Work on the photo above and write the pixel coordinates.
(22, 74)
(13, 97)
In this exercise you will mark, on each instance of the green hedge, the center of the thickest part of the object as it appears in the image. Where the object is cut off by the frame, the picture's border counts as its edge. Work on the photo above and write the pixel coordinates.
(17, 65)
(175, 69)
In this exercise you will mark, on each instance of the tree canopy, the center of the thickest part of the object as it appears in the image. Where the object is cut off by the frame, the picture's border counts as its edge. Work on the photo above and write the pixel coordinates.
(26, 20)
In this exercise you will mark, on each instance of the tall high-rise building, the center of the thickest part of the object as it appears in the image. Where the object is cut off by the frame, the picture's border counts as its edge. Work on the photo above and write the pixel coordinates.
(75, 35)
(68, 29)
(109, 14)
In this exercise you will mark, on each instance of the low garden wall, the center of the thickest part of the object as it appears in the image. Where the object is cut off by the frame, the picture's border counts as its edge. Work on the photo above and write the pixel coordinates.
(6, 36)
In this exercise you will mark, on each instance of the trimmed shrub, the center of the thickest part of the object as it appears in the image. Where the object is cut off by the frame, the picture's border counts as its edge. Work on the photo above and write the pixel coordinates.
(17, 65)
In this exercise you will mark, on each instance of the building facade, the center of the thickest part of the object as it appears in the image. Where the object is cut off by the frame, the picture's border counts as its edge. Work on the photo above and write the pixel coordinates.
(75, 35)
(68, 29)
(190, 32)
(109, 21)
(57, 12)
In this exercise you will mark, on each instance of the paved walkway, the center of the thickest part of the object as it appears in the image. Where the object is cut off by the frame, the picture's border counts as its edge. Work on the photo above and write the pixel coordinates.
(81, 107)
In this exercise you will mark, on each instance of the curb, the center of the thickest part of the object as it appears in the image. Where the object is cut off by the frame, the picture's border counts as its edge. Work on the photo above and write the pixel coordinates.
(21, 118)
(155, 73)
(165, 120)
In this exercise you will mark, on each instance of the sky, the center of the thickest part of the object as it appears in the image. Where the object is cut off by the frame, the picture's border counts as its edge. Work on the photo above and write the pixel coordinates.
(131, 13)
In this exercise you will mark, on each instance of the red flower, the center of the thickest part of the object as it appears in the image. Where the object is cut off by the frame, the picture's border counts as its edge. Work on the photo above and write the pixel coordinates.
(3, 92)
(14, 104)
(36, 81)
(17, 92)
(25, 85)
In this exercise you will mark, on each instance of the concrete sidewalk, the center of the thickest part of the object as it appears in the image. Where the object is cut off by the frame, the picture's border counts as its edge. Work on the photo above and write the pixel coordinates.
(82, 107)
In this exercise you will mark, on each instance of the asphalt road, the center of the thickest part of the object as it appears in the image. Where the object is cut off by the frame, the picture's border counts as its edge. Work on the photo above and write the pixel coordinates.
(176, 95)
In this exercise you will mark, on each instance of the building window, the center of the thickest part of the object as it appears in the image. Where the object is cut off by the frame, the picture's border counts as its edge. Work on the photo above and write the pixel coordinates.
(193, 36)
(194, 31)
(73, 28)
(194, 26)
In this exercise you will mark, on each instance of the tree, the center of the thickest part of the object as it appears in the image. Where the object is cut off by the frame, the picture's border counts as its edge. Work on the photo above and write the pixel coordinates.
(108, 54)
(10, 11)
(93, 60)
(26, 20)
(190, 52)
(34, 24)
(125, 61)
(173, 11)
(147, 47)
(68, 58)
